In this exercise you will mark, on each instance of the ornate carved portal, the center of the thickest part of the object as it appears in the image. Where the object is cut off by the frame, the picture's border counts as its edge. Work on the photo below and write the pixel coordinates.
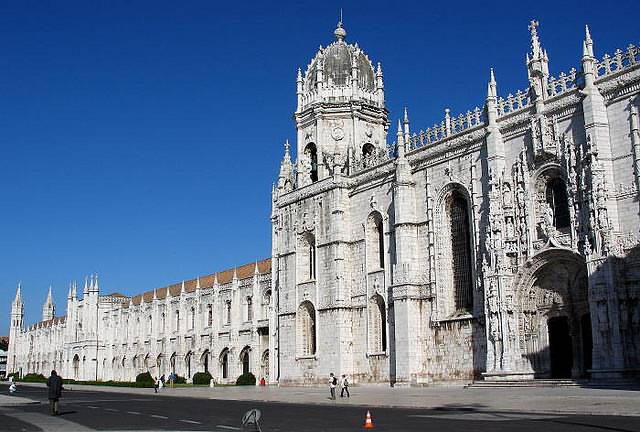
(552, 320)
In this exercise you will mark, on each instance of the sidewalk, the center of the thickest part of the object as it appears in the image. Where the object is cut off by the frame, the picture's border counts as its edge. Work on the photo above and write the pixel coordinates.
(7, 401)
(568, 400)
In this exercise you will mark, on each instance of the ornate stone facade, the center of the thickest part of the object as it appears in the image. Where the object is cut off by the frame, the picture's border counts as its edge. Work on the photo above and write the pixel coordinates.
(499, 243)
(217, 323)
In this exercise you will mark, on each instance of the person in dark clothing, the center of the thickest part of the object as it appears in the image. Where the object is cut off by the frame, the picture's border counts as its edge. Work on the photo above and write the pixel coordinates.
(55, 391)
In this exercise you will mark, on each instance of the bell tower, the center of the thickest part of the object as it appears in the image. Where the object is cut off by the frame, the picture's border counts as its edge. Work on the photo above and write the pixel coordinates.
(341, 115)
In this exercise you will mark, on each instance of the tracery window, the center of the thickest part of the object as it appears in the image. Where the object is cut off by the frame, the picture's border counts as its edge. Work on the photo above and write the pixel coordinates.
(367, 150)
(266, 301)
(192, 321)
(311, 152)
(307, 256)
(306, 318)
(209, 315)
(458, 261)
(375, 242)
(556, 194)
(249, 309)
(227, 312)
(377, 325)
(177, 321)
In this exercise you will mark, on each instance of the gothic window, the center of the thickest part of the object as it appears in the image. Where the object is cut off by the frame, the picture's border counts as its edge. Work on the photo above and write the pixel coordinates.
(556, 194)
(187, 363)
(460, 251)
(192, 323)
(249, 309)
(367, 150)
(205, 361)
(375, 242)
(307, 256)
(172, 362)
(306, 329)
(224, 363)
(266, 301)
(150, 325)
(377, 325)
(177, 321)
(227, 314)
(164, 321)
(209, 315)
(311, 153)
(244, 359)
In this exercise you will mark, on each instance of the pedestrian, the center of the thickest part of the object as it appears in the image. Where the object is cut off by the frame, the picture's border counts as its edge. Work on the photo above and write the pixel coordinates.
(345, 386)
(333, 381)
(156, 385)
(12, 388)
(162, 379)
(55, 391)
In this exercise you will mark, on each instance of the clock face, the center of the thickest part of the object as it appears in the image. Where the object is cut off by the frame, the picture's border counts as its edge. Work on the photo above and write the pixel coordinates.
(337, 133)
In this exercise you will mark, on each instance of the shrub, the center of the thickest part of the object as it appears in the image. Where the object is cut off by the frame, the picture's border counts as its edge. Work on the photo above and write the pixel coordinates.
(202, 378)
(145, 380)
(246, 379)
(180, 380)
(32, 377)
(15, 375)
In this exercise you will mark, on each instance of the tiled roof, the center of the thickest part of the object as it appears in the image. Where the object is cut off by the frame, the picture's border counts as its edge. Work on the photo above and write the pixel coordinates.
(223, 277)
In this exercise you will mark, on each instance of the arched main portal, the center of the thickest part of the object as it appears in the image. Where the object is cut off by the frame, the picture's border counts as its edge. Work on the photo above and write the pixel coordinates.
(550, 322)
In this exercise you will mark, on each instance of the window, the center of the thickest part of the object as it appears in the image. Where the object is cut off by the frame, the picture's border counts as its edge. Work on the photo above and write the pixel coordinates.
(375, 241)
(377, 325)
(227, 315)
(163, 319)
(556, 194)
(224, 363)
(460, 233)
(266, 301)
(306, 329)
(177, 321)
(367, 150)
(244, 359)
(307, 259)
(249, 309)
(150, 324)
(192, 321)
(312, 154)
(209, 315)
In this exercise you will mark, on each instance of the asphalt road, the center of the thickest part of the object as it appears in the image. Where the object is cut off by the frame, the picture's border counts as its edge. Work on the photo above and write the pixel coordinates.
(87, 410)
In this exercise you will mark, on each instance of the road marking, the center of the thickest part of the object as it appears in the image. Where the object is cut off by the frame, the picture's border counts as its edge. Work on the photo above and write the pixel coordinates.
(111, 409)
(485, 416)
(92, 407)
(227, 427)
(133, 412)
(159, 416)
(190, 421)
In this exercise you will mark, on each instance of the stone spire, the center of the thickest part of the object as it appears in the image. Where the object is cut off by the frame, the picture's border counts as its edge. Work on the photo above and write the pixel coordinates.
(286, 167)
(85, 291)
(18, 298)
(299, 89)
(407, 131)
(537, 68)
(94, 284)
(49, 309)
(588, 60)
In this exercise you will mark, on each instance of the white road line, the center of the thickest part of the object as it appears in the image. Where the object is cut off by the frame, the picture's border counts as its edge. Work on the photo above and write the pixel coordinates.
(190, 421)
(227, 427)
(133, 412)
(159, 416)
(92, 407)
(111, 409)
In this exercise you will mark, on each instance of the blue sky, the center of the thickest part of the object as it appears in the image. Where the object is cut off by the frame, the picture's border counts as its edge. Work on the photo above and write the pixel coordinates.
(139, 140)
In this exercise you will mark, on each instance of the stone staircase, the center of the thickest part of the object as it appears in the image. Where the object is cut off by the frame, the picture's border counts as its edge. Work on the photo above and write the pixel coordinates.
(621, 384)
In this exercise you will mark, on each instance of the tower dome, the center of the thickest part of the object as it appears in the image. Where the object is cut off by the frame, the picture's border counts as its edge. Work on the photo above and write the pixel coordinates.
(341, 72)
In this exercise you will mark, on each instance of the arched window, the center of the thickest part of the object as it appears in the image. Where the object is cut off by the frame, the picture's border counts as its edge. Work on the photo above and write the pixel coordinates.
(205, 361)
(187, 363)
(224, 363)
(177, 321)
(266, 301)
(172, 362)
(244, 359)
(375, 242)
(556, 193)
(367, 150)
(264, 364)
(311, 152)
(164, 322)
(377, 325)
(306, 329)
(307, 256)
(460, 243)
(227, 315)
(192, 321)
(249, 309)
(209, 315)
(150, 324)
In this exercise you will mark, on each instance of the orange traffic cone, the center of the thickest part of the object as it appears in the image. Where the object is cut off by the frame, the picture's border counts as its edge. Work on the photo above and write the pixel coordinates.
(368, 424)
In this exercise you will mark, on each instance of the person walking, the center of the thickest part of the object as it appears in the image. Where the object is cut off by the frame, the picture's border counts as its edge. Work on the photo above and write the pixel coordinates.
(344, 386)
(12, 388)
(55, 391)
(156, 385)
(333, 381)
